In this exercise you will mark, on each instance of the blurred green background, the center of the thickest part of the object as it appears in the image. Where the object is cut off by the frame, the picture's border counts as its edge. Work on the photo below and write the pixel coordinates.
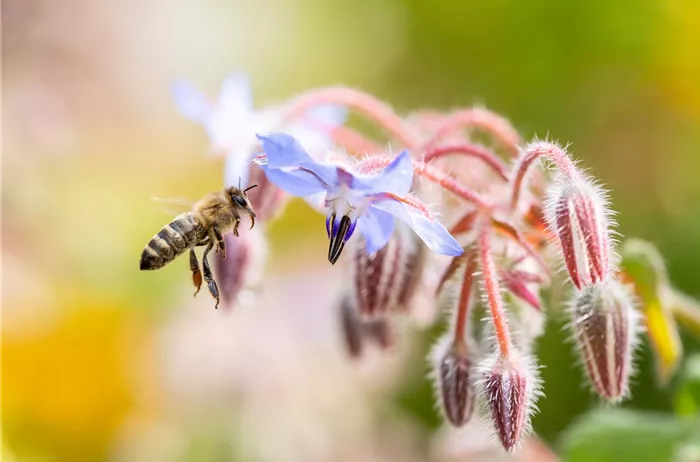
(103, 362)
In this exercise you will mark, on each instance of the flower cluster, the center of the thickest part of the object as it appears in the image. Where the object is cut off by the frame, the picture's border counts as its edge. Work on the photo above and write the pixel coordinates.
(468, 226)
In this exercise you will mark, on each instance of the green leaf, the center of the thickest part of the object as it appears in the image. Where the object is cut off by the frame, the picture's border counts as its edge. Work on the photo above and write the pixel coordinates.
(643, 267)
(643, 264)
(618, 435)
(688, 397)
(686, 310)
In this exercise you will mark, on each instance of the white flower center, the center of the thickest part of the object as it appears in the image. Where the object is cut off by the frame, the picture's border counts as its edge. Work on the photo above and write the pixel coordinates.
(342, 201)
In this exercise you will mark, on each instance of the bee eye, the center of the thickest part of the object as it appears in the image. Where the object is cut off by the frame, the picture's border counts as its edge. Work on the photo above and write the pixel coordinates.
(240, 201)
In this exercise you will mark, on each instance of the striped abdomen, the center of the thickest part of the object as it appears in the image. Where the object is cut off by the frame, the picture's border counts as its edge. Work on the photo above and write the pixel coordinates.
(181, 234)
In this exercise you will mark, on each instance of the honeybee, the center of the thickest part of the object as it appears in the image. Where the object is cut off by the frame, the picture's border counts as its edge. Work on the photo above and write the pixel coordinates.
(210, 217)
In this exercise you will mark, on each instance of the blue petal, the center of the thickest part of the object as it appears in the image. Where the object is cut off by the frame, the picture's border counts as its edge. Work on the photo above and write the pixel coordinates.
(284, 152)
(396, 178)
(431, 231)
(376, 227)
(310, 138)
(295, 182)
(190, 101)
(235, 93)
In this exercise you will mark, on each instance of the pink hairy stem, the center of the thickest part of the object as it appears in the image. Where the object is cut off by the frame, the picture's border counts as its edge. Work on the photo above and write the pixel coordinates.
(484, 119)
(436, 176)
(553, 153)
(361, 102)
(493, 291)
(465, 296)
(488, 157)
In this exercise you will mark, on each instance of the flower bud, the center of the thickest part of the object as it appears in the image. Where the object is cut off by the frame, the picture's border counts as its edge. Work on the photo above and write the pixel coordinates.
(605, 326)
(386, 280)
(380, 331)
(509, 387)
(454, 379)
(356, 331)
(242, 268)
(577, 214)
(351, 328)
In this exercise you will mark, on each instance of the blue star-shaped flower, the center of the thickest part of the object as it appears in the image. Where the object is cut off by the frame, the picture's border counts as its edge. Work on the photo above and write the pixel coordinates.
(231, 122)
(369, 202)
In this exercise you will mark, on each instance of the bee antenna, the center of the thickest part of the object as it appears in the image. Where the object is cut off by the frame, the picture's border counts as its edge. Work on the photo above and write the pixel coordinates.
(250, 187)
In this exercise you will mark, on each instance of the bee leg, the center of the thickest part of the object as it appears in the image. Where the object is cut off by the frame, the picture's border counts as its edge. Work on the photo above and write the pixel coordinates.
(196, 274)
(236, 222)
(211, 283)
(220, 246)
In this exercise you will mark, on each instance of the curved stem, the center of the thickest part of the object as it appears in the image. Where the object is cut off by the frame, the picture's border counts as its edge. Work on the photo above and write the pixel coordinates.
(465, 298)
(554, 153)
(362, 102)
(493, 292)
(486, 120)
(488, 157)
(436, 176)
(346, 137)
(354, 141)
(449, 184)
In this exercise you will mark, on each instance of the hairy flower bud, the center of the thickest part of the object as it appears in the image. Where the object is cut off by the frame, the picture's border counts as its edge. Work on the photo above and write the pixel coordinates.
(605, 326)
(242, 268)
(509, 387)
(351, 328)
(356, 331)
(386, 280)
(577, 213)
(379, 331)
(454, 376)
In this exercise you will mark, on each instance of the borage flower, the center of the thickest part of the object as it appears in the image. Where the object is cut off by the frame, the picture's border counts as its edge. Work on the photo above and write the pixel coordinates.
(369, 202)
(231, 122)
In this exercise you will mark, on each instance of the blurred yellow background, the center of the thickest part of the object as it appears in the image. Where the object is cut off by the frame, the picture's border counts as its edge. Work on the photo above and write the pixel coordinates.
(103, 362)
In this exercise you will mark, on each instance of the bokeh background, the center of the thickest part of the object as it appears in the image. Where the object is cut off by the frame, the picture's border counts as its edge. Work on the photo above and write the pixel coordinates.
(103, 362)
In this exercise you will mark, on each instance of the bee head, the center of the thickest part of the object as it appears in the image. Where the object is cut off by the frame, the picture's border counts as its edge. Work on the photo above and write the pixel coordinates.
(239, 199)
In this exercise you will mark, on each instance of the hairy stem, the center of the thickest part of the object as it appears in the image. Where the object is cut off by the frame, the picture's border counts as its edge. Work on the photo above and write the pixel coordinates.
(346, 137)
(450, 184)
(554, 153)
(484, 119)
(465, 298)
(362, 102)
(354, 141)
(488, 157)
(436, 176)
(493, 291)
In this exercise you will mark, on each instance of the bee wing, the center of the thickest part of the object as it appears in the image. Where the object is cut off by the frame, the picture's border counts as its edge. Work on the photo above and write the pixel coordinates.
(172, 206)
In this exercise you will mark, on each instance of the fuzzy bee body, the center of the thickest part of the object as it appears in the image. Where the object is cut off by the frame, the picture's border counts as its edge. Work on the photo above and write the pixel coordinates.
(178, 236)
(212, 216)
